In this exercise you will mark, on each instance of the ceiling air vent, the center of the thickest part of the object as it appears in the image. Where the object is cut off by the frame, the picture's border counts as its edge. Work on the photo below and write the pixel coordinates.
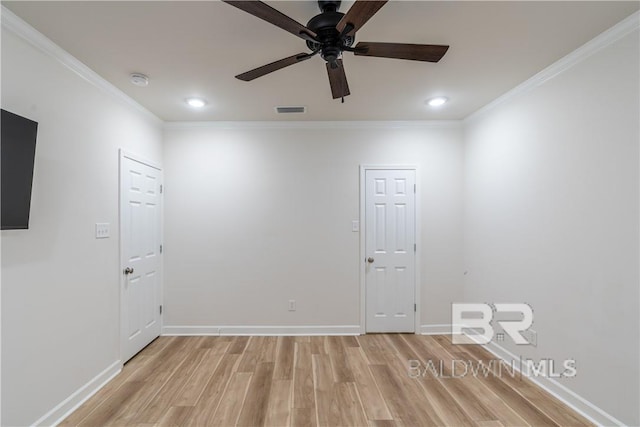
(288, 110)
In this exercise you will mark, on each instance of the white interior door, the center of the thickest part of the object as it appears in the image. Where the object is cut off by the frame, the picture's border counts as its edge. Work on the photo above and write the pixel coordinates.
(390, 250)
(140, 234)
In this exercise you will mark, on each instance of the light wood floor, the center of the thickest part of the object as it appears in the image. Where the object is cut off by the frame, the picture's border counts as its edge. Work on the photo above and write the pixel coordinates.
(313, 381)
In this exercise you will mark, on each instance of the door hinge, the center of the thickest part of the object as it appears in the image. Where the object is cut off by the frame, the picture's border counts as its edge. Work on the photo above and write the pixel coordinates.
(415, 308)
(414, 188)
(160, 309)
(415, 248)
(160, 188)
(160, 248)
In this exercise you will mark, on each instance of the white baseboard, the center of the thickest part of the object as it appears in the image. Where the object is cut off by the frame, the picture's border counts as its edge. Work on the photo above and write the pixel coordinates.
(444, 329)
(261, 330)
(552, 386)
(71, 403)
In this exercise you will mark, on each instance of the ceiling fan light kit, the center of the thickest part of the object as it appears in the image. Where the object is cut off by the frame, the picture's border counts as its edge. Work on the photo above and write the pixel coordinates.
(330, 34)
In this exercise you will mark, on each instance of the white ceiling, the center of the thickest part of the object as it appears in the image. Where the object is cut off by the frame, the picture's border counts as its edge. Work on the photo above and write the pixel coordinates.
(196, 49)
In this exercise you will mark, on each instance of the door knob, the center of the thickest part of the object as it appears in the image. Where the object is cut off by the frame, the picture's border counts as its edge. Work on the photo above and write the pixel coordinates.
(128, 270)
(369, 260)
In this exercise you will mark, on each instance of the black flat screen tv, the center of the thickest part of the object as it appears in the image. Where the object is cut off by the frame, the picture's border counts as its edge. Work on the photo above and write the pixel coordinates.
(17, 155)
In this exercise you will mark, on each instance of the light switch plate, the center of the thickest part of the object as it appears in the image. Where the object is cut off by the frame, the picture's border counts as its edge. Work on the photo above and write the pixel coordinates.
(355, 226)
(102, 230)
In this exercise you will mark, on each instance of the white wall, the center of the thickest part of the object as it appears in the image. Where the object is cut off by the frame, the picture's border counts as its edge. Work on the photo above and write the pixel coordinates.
(257, 216)
(60, 304)
(551, 219)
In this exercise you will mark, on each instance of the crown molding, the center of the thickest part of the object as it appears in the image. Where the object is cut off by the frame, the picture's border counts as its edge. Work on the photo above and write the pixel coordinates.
(607, 38)
(319, 125)
(12, 23)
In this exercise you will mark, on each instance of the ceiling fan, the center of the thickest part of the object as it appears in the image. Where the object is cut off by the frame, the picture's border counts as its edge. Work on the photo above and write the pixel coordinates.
(330, 34)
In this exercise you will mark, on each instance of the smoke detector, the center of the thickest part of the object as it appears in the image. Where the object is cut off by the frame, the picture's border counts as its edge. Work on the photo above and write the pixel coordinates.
(139, 79)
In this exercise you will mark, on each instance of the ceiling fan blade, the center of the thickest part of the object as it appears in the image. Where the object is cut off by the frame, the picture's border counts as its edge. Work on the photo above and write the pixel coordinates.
(359, 14)
(274, 66)
(275, 17)
(338, 80)
(413, 52)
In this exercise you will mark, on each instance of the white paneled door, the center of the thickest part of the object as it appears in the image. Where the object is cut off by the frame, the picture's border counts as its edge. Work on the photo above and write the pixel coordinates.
(140, 233)
(390, 250)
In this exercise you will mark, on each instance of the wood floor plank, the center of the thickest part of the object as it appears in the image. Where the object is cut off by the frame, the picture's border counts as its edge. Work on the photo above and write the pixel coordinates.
(489, 423)
(429, 396)
(374, 405)
(156, 346)
(215, 341)
(284, 359)
(402, 348)
(303, 417)
(382, 423)
(268, 353)
(251, 355)
(259, 349)
(402, 404)
(254, 409)
(175, 416)
(165, 363)
(230, 405)
(238, 344)
(201, 376)
(279, 406)
(327, 412)
(349, 405)
(350, 341)
(303, 378)
(165, 360)
(318, 345)
(213, 392)
(113, 405)
(341, 370)
(156, 408)
(375, 348)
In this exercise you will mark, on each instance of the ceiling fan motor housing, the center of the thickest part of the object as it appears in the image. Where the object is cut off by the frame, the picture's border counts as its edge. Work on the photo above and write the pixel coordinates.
(329, 41)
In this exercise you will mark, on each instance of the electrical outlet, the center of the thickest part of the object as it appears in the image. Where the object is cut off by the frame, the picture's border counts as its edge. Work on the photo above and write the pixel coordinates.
(292, 305)
(355, 226)
(102, 230)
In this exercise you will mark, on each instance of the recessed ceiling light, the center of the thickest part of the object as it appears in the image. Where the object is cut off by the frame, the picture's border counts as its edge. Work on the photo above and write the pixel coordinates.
(139, 79)
(196, 102)
(437, 101)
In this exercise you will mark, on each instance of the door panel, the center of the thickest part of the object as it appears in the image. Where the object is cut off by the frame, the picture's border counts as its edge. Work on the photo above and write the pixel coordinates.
(389, 242)
(140, 237)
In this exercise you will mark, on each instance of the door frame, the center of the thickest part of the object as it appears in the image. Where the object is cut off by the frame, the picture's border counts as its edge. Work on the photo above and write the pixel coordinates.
(122, 154)
(363, 247)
